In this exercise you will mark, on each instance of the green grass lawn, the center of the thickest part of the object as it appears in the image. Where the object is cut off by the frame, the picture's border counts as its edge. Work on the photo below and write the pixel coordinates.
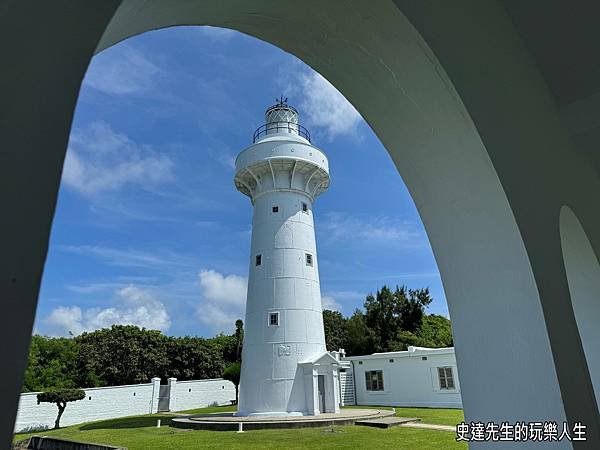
(140, 433)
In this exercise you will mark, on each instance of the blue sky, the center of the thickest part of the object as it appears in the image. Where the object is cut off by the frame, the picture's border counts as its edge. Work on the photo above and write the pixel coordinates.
(149, 228)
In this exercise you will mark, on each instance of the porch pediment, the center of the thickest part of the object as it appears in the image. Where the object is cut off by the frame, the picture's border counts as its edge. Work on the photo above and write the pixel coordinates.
(320, 359)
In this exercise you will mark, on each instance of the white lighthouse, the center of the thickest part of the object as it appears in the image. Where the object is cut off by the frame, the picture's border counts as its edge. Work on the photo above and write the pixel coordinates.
(286, 369)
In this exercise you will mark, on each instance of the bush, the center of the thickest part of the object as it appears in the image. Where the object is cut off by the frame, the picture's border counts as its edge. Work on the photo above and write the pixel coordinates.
(232, 373)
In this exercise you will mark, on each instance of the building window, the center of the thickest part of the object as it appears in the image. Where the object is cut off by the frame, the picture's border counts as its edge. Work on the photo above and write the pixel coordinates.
(309, 259)
(304, 207)
(274, 319)
(391, 360)
(258, 260)
(275, 209)
(374, 380)
(423, 358)
(360, 363)
(446, 377)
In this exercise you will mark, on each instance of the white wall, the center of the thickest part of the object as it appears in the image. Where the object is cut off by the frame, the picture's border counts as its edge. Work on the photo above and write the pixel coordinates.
(409, 381)
(122, 401)
(99, 403)
(201, 393)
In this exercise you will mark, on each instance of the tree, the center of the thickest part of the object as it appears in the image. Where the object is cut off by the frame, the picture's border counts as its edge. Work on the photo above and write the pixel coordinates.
(389, 312)
(239, 338)
(122, 354)
(61, 397)
(232, 373)
(436, 330)
(193, 358)
(361, 339)
(336, 334)
(52, 364)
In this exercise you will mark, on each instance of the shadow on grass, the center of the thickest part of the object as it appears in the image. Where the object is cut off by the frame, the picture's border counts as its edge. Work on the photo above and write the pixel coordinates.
(128, 422)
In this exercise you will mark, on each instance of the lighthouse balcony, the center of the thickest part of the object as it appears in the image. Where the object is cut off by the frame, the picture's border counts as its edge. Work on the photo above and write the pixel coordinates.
(278, 163)
(280, 128)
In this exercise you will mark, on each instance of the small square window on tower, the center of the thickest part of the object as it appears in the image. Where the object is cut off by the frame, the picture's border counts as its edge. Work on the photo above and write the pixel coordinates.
(258, 260)
(275, 209)
(309, 259)
(304, 207)
(274, 319)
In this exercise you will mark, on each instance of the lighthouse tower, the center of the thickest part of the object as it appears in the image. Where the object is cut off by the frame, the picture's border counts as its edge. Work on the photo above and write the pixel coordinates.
(286, 369)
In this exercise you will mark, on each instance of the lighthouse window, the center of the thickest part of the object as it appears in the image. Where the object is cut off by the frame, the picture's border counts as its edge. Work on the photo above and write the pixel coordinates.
(309, 259)
(275, 209)
(304, 207)
(258, 260)
(274, 319)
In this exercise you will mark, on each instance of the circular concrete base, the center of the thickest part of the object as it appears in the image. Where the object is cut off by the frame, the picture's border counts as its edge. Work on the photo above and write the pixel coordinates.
(230, 422)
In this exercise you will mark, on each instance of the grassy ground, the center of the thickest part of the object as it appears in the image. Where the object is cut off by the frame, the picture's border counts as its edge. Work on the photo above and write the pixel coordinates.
(140, 433)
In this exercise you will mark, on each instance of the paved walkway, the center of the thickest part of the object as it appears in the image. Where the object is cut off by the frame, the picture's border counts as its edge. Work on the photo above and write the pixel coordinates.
(429, 426)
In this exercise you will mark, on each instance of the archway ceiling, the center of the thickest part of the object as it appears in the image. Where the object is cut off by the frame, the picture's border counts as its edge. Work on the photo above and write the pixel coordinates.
(563, 38)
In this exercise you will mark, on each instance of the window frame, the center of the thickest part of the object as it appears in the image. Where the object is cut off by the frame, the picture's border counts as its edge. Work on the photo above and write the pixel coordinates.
(374, 376)
(270, 316)
(309, 259)
(275, 209)
(446, 378)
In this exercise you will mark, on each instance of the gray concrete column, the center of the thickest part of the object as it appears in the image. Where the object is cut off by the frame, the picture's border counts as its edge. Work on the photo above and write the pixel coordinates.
(45, 48)
(539, 170)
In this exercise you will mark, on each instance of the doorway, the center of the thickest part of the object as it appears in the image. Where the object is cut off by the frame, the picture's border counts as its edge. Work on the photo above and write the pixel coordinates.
(321, 388)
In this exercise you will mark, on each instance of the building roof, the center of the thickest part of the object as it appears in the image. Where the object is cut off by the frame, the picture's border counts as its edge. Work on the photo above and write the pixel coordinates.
(412, 351)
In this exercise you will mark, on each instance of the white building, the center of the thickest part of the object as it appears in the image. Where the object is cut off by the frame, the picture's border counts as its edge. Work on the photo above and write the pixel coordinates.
(418, 377)
(286, 369)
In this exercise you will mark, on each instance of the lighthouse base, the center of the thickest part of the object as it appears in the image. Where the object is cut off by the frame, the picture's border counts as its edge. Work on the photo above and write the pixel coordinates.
(314, 390)
(270, 414)
(230, 422)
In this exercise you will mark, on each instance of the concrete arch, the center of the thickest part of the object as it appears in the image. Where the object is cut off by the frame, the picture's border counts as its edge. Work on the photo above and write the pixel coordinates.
(462, 110)
(583, 274)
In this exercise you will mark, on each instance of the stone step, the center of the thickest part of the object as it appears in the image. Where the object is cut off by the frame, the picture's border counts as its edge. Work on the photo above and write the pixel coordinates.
(386, 422)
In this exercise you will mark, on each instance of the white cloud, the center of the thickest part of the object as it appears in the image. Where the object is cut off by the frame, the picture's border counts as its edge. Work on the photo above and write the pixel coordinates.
(329, 302)
(322, 104)
(100, 160)
(339, 226)
(216, 33)
(130, 258)
(121, 70)
(134, 306)
(223, 299)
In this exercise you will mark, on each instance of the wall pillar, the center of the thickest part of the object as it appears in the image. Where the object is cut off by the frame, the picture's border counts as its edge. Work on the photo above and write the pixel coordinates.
(155, 394)
(336, 389)
(172, 383)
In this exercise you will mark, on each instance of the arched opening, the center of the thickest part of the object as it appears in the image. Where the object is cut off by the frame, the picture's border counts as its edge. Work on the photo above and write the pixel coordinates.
(583, 273)
(412, 106)
(125, 140)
